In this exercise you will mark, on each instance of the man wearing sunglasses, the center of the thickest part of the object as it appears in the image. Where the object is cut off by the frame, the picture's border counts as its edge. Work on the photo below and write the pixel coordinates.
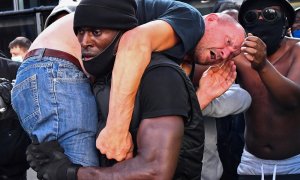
(269, 71)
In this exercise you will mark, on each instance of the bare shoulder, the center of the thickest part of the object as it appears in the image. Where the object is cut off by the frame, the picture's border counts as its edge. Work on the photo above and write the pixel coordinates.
(293, 45)
(294, 56)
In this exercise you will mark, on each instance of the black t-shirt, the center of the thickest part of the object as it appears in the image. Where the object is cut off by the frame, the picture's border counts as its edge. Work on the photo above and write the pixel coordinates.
(8, 69)
(186, 21)
(13, 139)
(163, 93)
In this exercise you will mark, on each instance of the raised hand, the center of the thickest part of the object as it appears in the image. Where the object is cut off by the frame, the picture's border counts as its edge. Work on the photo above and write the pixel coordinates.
(215, 81)
(255, 51)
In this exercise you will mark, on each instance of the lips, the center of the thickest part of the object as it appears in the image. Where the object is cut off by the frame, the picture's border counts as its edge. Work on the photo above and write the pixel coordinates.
(87, 56)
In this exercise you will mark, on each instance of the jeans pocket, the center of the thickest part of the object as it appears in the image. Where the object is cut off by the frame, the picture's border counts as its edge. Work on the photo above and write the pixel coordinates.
(25, 102)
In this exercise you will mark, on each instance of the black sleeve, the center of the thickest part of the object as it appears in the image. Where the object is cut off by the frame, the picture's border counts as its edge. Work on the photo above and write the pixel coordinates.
(163, 93)
(185, 20)
(13, 68)
(8, 69)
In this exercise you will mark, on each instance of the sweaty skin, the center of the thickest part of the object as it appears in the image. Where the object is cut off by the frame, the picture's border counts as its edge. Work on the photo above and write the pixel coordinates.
(272, 121)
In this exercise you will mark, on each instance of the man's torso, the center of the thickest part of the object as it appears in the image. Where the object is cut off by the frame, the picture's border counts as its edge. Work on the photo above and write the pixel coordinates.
(272, 131)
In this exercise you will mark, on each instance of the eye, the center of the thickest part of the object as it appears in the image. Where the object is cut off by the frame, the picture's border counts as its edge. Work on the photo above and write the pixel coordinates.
(228, 42)
(97, 32)
(80, 31)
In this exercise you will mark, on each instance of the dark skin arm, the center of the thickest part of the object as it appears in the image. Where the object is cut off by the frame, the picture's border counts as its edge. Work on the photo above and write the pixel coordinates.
(158, 140)
(285, 90)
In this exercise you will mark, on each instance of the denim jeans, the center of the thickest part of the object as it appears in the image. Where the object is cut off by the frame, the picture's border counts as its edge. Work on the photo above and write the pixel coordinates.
(54, 101)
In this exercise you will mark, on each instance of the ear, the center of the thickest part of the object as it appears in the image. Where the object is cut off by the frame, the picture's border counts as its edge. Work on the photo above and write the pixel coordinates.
(212, 17)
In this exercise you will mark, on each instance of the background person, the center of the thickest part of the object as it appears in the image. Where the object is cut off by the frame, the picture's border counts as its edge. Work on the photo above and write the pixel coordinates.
(13, 139)
(63, 8)
(295, 29)
(18, 48)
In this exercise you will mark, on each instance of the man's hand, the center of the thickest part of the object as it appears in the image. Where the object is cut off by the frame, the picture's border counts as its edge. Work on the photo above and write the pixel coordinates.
(215, 81)
(5, 90)
(115, 145)
(50, 162)
(255, 52)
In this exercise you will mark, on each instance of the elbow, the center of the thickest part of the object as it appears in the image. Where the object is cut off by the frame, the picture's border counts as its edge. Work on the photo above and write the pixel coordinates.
(135, 40)
(154, 168)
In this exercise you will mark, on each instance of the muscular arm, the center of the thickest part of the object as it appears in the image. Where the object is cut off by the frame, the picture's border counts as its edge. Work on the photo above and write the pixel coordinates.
(284, 89)
(164, 26)
(136, 44)
(159, 141)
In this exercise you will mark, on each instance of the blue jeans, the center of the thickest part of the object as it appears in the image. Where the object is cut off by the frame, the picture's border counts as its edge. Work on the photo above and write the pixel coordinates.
(54, 101)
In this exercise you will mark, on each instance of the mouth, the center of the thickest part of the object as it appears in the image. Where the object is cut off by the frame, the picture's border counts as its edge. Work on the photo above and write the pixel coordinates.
(87, 57)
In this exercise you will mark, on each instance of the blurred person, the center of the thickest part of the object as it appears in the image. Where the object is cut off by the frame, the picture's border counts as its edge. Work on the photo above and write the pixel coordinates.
(269, 70)
(63, 8)
(13, 139)
(295, 29)
(18, 48)
(2, 55)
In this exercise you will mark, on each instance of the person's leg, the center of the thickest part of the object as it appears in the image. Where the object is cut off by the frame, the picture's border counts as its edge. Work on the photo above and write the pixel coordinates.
(46, 98)
(212, 166)
(78, 125)
(230, 131)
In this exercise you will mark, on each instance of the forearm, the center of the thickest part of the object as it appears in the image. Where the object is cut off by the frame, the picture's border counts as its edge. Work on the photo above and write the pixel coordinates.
(130, 169)
(285, 91)
(158, 142)
(130, 64)
(133, 56)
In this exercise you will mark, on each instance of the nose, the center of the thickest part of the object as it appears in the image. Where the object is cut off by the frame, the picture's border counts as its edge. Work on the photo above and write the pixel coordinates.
(225, 53)
(260, 17)
(85, 40)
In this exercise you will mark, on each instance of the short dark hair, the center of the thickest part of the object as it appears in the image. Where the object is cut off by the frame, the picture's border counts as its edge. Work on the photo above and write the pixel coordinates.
(21, 41)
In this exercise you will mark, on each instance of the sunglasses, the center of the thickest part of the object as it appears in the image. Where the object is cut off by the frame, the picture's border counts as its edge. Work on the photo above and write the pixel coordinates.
(268, 14)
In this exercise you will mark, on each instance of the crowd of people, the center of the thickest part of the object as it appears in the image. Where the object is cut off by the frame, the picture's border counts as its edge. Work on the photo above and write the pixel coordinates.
(155, 90)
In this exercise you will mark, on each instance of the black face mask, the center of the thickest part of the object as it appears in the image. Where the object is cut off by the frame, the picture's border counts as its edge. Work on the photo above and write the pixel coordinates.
(271, 33)
(103, 63)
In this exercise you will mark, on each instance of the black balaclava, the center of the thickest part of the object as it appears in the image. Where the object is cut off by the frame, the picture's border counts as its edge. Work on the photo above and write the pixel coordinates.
(271, 33)
(105, 14)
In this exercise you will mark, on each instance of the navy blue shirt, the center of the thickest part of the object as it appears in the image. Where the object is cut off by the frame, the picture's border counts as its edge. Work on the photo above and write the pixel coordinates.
(186, 21)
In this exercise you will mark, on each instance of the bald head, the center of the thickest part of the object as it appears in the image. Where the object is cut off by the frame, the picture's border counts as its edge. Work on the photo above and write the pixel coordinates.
(222, 39)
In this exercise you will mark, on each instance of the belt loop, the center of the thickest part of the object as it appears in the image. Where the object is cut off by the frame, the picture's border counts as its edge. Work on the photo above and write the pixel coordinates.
(41, 54)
